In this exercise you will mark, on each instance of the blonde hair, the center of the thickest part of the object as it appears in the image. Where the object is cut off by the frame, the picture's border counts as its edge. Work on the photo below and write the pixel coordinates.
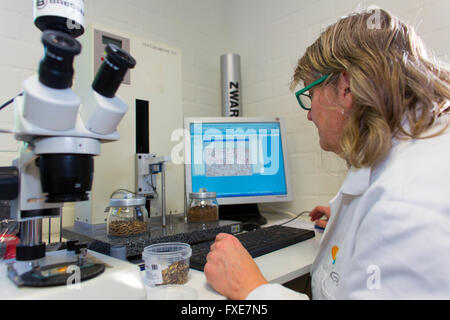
(391, 79)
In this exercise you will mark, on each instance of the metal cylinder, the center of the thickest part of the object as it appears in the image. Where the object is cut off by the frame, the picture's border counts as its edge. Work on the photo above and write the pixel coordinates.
(31, 246)
(163, 194)
(31, 232)
(230, 68)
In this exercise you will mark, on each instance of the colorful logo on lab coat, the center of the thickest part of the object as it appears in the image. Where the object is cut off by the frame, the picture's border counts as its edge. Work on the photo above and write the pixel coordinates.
(334, 252)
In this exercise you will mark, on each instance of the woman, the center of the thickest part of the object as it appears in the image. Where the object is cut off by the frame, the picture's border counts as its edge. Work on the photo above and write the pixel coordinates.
(380, 104)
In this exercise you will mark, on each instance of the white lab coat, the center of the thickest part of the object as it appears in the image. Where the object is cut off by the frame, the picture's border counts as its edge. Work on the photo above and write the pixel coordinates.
(391, 225)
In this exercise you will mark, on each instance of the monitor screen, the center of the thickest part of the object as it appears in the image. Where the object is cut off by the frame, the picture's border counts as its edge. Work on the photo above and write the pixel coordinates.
(243, 160)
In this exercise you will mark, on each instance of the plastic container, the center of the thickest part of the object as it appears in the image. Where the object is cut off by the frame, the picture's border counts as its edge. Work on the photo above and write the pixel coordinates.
(203, 207)
(127, 215)
(166, 263)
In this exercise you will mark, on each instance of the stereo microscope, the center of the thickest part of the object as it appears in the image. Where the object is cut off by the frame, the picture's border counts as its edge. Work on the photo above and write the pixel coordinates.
(60, 137)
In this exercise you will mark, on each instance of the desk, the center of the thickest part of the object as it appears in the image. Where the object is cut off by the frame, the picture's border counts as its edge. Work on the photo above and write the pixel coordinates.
(297, 260)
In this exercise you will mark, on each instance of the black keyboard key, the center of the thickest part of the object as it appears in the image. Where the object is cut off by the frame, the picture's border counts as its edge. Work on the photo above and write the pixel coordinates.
(257, 242)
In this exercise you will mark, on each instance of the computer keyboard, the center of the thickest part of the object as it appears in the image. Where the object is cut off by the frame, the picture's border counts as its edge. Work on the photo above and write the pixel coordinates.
(257, 242)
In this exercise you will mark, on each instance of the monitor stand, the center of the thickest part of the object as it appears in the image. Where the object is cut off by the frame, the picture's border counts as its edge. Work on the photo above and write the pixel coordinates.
(241, 212)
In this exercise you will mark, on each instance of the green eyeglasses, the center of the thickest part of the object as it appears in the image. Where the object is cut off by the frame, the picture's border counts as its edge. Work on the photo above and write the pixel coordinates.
(303, 98)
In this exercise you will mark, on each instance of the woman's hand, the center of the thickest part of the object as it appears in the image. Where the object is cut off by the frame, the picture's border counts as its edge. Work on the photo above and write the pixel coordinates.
(230, 269)
(317, 213)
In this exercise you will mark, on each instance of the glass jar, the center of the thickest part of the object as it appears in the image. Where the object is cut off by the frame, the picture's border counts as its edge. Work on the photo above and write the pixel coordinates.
(127, 215)
(203, 207)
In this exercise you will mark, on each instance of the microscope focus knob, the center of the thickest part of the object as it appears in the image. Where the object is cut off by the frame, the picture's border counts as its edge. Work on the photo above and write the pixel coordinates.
(71, 245)
(79, 247)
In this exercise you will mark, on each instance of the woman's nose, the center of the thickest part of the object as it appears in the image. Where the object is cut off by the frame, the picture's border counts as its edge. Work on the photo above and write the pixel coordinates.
(309, 115)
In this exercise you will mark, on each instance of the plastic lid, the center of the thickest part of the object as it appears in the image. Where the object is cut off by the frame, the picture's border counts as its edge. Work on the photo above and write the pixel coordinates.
(202, 194)
(167, 250)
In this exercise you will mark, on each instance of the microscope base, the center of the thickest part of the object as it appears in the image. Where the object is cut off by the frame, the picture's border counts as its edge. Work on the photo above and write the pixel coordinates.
(120, 280)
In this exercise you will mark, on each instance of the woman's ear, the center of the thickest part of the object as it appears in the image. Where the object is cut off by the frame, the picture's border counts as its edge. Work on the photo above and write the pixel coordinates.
(344, 93)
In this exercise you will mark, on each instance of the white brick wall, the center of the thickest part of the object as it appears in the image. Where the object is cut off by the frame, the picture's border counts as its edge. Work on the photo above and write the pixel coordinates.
(269, 35)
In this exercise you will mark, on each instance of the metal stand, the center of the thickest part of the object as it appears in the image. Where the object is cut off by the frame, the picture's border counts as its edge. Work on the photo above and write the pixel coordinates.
(148, 165)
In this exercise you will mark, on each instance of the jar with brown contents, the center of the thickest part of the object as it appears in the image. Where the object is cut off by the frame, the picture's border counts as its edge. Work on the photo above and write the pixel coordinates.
(203, 213)
(166, 263)
(203, 207)
(127, 228)
(127, 216)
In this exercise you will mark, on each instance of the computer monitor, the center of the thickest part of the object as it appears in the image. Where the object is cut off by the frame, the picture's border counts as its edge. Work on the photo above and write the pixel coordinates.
(243, 160)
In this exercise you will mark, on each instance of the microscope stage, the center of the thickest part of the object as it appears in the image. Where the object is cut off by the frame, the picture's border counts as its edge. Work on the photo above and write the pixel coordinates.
(120, 280)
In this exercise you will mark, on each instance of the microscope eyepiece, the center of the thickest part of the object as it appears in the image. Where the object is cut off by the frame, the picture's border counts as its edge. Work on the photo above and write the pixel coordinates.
(112, 71)
(56, 67)
(120, 57)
